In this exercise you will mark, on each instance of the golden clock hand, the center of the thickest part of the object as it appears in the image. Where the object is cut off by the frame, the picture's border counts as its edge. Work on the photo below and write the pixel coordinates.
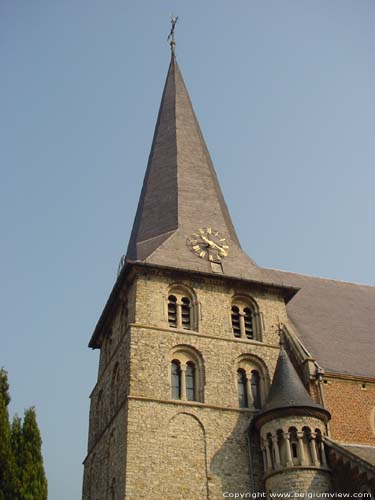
(213, 244)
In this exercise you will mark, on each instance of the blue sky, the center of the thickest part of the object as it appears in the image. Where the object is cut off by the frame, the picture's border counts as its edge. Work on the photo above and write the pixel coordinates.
(284, 92)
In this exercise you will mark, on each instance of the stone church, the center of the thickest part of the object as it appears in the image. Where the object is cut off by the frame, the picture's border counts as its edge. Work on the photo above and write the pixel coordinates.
(219, 378)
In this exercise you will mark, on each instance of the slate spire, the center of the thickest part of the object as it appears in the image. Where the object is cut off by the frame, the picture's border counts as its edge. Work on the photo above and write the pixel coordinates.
(287, 392)
(181, 192)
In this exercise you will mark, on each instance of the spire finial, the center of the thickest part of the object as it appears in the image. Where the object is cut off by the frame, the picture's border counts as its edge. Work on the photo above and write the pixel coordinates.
(171, 34)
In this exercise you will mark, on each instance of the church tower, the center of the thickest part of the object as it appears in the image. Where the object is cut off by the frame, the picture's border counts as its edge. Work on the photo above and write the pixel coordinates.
(188, 338)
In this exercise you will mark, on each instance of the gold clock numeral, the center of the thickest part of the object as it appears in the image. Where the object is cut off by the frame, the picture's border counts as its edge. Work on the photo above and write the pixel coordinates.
(209, 244)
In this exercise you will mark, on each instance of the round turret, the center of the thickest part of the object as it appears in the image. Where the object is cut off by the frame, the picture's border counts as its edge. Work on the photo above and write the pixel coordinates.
(292, 428)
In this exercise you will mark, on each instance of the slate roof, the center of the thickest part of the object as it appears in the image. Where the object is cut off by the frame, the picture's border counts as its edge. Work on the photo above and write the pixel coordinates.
(287, 390)
(366, 453)
(181, 193)
(335, 321)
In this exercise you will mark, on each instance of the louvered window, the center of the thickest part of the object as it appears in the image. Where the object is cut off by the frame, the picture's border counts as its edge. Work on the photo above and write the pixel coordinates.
(248, 320)
(236, 321)
(185, 313)
(172, 311)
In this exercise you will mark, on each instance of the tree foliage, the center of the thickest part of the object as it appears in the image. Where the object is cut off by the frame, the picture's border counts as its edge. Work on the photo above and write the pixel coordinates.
(22, 475)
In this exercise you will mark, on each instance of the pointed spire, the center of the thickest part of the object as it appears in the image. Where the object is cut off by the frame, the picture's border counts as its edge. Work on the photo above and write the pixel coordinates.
(181, 192)
(287, 390)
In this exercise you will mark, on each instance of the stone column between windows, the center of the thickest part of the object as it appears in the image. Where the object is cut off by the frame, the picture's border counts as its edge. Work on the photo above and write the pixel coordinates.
(323, 453)
(242, 324)
(314, 455)
(183, 382)
(301, 448)
(275, 444)
(264, 458)
(268, 454)
(289, 459)
(249, 394)
(179, 313)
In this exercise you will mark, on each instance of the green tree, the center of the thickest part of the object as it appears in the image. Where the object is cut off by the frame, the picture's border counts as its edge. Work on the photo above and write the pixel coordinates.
(16, 440)
(33, 482)
(7, 462)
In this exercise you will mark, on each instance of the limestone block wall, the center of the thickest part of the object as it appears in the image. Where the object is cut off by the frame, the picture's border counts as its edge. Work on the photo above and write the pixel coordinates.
(179, 450)
(299, 481)
(104, 467)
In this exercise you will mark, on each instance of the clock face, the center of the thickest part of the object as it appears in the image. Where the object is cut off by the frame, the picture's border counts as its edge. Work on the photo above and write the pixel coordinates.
(208, 244)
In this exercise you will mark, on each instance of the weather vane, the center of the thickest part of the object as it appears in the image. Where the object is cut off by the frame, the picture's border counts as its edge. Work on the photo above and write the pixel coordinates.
(171, 34)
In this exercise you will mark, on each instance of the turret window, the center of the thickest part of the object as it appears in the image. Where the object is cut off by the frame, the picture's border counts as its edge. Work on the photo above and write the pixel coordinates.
(293, 447)
(186, 376)
(245, 319)
(181, 308)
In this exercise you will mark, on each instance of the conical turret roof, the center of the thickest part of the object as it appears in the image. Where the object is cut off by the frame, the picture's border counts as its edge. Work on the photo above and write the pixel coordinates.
(287, 391)
(181, 193)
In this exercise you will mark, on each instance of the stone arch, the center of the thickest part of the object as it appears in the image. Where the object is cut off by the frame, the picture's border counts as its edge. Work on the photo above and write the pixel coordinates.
(184, 450)
(184, 298)
(246, 306)
(186, 354)
(251, 363)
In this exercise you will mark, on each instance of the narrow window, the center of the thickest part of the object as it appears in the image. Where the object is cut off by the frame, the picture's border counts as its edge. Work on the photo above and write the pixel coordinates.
(172, 311)
(248, 317)
(294, 444)
(236, 321)
(176, 379)
(185, 313)
(190, 382)
(255, 388)
(113, 489)
(241, 382)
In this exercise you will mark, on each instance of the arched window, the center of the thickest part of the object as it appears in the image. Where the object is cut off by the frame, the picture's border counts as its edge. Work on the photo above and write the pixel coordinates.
(242, 392)
(187, 378)
(255, 388)
(185, 313)
(246, 319)
(176, 379)
(172, 311)
(182, 308)
(252, 382)
(190, 381)
(294, 444)
(236, 321)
